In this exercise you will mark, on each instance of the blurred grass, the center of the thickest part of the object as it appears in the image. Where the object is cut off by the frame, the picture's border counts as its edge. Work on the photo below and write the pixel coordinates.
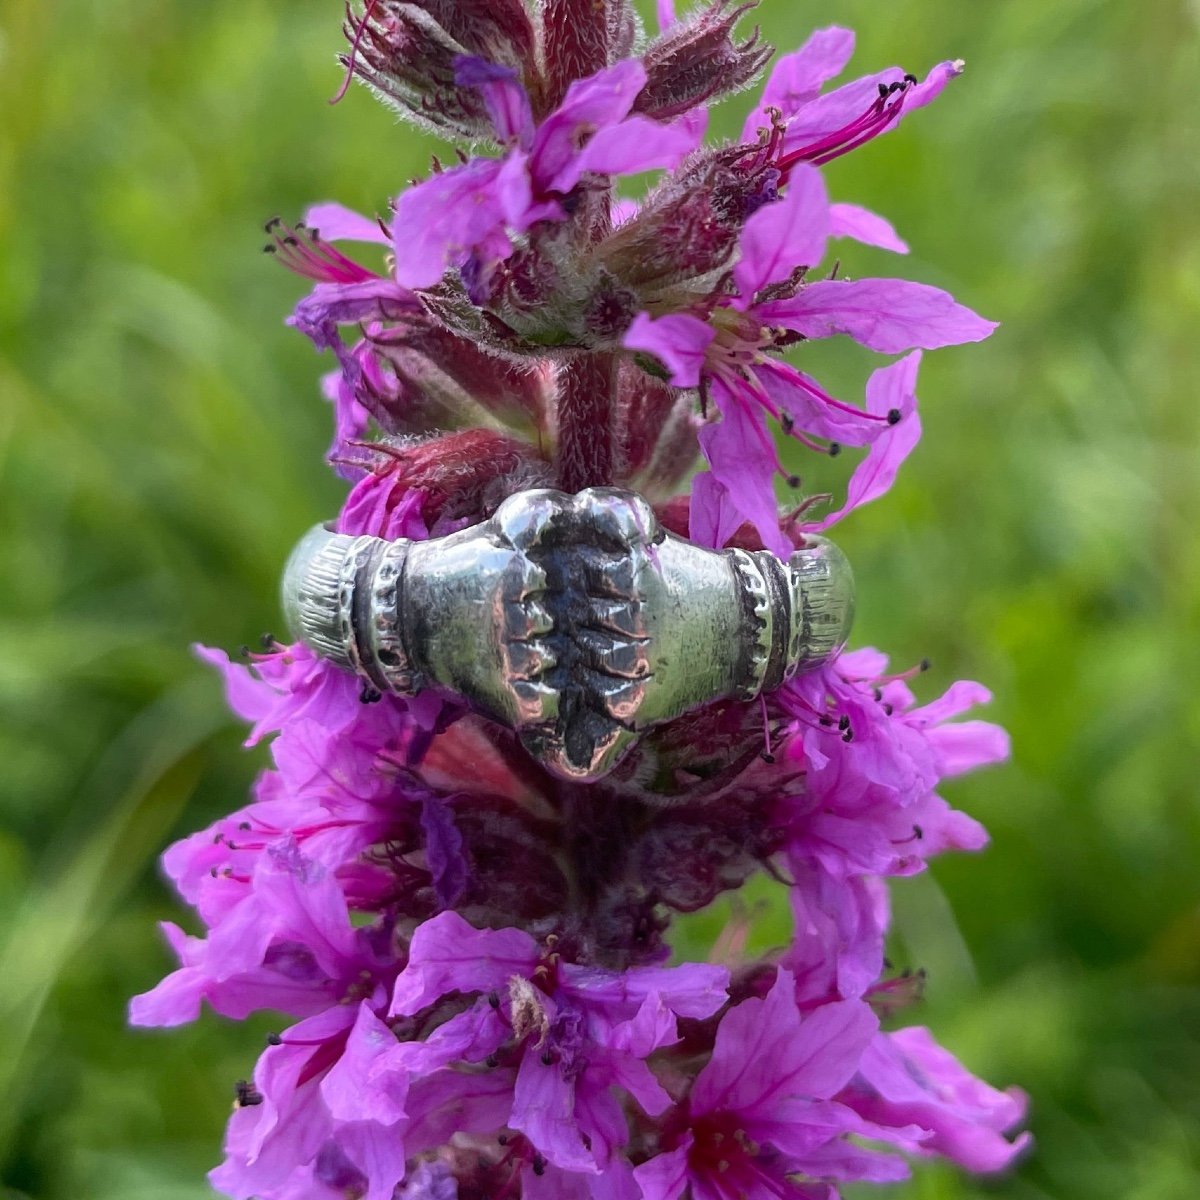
(161, 439)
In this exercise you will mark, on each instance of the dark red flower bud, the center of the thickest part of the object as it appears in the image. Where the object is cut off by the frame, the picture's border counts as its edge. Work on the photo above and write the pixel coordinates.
(406, 53)
(697, 60)
(461, 475)
(686, 232)
(434, 374)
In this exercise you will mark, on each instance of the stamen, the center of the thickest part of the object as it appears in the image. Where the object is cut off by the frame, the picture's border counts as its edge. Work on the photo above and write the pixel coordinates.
(311, 256)
(882, 113)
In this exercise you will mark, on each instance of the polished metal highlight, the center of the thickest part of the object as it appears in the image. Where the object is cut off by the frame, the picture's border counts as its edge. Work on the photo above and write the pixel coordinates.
(577, 620)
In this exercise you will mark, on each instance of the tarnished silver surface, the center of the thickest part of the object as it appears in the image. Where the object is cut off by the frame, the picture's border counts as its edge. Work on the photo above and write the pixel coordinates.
(576, 620)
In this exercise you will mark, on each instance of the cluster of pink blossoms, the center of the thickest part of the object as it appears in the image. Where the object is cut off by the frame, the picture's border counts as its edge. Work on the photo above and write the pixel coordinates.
(473, 954)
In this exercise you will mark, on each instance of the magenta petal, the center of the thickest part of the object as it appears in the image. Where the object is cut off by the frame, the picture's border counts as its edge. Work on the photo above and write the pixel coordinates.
(966, 745)
(840, 1159)
(346, 1090)
(544, 1110)
(678, 340)
(784, 235)
(797, 78)
(912, 1081)
(851, 221)
(590, 105)
(247, 695)
(449, 955)
(438, 222)
(378, 1153)
(742, 457)
(888, 315)
(712, 516)
(958, 698)
(636, 144)
(831, 1041)
(690, 990)
(933, 84)
(666, 1175)
(891, 389)
(765, 1053)
(506, 100)
(337, 223)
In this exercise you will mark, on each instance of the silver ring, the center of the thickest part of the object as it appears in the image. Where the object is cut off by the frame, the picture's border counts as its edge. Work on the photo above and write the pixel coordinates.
(577, 621)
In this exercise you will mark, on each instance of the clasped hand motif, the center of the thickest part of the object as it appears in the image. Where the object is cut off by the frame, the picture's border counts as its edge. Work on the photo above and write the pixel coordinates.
(577, 621)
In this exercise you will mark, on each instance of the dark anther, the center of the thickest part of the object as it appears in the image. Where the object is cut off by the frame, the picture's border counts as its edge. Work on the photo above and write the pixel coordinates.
(273, 224)
(918, 832)
(787, 422)
(884, 91)
(548, 1058)
(290, 241)
(834, 449)
(267, 641)
(503, 1139)
(893, 416)
(826, 721)
(844, 723)
(911, 79)
(539, 1165)
(877, 692)
(493, 1000)
(848, 736)
(247, 1096)
(767, 756)
(213, 872)
(586, 1138)
(244, 651)
(269, 248)
(491, 1061)
(273, 1039)
(369, 695)
(244, 826)
(794, 481)
(888, 709)
(925, 664)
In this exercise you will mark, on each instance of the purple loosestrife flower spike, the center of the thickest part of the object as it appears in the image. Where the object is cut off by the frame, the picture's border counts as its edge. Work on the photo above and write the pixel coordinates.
(469, 953)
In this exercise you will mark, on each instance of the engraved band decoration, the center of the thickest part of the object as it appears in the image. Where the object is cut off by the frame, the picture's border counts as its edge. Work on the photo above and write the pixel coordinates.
(578, 621)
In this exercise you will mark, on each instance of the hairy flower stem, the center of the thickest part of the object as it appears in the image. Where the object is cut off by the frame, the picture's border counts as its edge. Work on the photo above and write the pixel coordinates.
(586, 401)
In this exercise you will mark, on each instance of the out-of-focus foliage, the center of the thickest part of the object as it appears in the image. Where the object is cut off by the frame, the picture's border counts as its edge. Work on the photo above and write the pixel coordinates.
(161, 437)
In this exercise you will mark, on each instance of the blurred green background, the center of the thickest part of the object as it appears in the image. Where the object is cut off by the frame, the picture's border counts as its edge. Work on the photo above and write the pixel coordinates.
(161, 441)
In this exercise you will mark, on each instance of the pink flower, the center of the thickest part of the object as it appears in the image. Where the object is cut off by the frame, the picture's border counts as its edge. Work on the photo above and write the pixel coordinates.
(470, 211)
(930, 1104)
(571, 1034)
(761, 1112)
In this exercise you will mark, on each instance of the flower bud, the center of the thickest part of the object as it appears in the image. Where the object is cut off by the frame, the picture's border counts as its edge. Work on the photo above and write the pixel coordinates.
(696, 60)
(686, 233)
(432, 371)
(406, 53)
